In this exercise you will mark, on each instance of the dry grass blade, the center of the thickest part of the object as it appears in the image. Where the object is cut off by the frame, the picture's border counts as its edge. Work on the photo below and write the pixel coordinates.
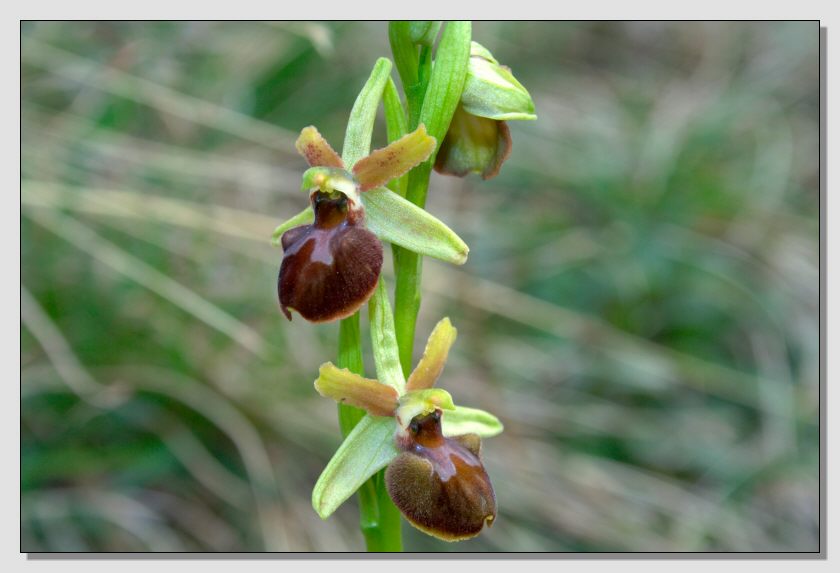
(225, 416)
(118, 509)
(201, 463)
(485, 294)
(58, 133)
(502, 300)
(58, 351)
(136, 205)
(160, 97)
(87, 240)
(181, 442)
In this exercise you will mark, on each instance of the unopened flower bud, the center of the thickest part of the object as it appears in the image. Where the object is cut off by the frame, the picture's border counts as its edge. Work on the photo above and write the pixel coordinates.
(478, 140)
(491, 91)
(424, 32)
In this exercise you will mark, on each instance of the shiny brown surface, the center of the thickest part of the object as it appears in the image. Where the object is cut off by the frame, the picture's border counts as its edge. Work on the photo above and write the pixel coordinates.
(439, 483)
(330, 268)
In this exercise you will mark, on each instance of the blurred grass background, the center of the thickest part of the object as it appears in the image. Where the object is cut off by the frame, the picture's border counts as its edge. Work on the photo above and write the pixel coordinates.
(640, 306)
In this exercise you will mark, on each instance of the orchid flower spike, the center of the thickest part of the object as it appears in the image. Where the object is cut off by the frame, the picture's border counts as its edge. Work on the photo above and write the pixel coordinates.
(332, 251)
(430, 446)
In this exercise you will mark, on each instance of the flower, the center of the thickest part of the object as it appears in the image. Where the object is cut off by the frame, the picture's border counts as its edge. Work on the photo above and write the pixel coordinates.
(329, 268)
(439, 483)
(332, 251)
(431, 448)
(478, 139)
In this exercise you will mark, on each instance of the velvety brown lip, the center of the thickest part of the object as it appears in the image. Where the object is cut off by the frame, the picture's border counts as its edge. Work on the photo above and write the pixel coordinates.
(330, 268)
(439, 483)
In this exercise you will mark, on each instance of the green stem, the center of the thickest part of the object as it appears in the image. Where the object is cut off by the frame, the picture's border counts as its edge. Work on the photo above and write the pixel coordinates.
(431, 101)
(408, 268)
(350, 357)
(379, 518)
(405, 53)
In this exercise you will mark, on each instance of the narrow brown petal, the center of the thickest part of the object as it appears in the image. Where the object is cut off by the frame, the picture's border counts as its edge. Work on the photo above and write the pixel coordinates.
(428, 370)
(315, 149)
(396, 159)
(439, 484)
(345, 387)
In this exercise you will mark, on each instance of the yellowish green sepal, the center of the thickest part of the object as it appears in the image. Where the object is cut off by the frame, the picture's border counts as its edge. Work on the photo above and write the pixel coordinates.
(384, 341)
(431, 365)
(462, 420)
(366, 450)
(398, 221)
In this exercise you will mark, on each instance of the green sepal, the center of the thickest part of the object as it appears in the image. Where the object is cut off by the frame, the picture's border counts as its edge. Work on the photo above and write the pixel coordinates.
(369, 448)
(464, 420)
(360, 125)
(398, 221)
(422, 402)
(384, 340)
(491, 91)
(305, 217)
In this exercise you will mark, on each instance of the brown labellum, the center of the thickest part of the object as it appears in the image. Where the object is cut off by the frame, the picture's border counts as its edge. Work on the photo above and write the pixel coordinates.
(439, 483)
(330, 268)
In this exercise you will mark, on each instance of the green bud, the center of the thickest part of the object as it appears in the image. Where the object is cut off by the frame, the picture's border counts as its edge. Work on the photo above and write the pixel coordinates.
(491, 91)
(424, 32)
(473, 144)
(478, 139)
